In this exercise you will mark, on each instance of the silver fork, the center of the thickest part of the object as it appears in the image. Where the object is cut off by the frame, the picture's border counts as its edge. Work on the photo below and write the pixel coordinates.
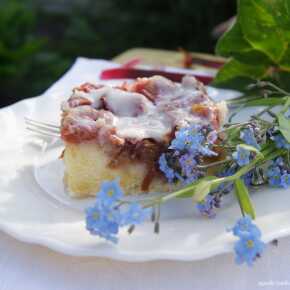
(42, 128)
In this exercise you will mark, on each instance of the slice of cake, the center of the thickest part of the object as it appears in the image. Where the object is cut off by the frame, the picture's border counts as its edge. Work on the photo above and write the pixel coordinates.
(112, 132)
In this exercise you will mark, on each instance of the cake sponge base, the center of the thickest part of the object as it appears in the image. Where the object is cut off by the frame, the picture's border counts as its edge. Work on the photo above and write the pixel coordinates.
(86, 167)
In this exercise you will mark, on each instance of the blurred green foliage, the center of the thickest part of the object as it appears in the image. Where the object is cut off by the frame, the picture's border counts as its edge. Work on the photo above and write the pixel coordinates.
(27, 67)
(40, 39)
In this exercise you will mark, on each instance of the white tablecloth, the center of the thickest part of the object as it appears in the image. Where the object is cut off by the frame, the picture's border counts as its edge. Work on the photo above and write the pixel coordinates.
(29, 267)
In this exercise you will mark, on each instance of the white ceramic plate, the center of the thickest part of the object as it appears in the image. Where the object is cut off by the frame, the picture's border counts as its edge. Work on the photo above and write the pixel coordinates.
(33, 212)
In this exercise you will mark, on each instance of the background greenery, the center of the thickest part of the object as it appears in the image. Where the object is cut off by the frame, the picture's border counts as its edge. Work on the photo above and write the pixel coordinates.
(40, 39)
(258, 45)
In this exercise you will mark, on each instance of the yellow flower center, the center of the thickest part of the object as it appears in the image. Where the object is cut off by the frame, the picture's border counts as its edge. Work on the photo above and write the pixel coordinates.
(250, 244)
(110, 193)
(96, 215)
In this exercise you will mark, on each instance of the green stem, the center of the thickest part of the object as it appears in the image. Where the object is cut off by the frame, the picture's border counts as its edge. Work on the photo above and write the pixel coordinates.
(233, 127)
(257, 118)
(274, 154)
(214, 163)
(257, 101)
(264, 111)
(242, 99)
(279, 90)
(167, 197)
(215, 182)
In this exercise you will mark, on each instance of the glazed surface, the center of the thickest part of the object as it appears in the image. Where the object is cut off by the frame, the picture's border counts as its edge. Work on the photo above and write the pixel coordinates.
(150, 108)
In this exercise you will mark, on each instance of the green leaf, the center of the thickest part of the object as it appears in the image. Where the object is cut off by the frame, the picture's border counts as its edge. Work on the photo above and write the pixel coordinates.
(203, 187)
(260, 28)
(284, 126)
(234, 69)
(243, 197)
(198, 188)
(233, 44)
(281, 12)
(259, 45)
(251, 148)
(264, 102)
(188, 193)
(232, 41)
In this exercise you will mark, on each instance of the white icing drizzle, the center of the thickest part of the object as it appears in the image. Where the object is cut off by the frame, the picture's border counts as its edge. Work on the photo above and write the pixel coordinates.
(151, 125)
(135, 116)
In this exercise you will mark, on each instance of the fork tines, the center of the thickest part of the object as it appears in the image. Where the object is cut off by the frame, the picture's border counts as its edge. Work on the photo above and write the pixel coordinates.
(42, 128)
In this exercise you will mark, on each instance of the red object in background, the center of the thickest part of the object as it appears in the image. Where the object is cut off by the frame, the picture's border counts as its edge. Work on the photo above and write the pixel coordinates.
(131, 63)
(188, 60)
(215, 64)
(131, 73)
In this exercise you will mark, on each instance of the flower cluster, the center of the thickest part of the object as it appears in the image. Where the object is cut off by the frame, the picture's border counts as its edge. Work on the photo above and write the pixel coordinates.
(208, 205)
(278, 173)
(193, 139)
(188, 148)
(248, 136)
(279, 140)
(107, 215)
(243, 156)
(249, 246)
